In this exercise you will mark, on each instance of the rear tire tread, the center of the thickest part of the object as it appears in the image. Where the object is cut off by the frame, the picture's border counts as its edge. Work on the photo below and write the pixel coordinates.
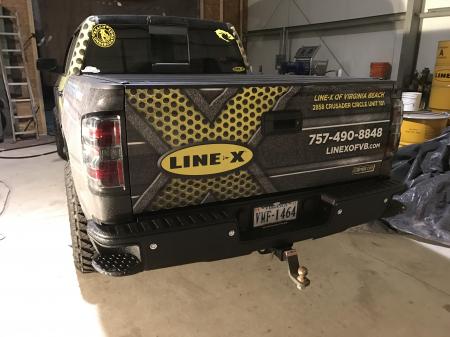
(83, 250)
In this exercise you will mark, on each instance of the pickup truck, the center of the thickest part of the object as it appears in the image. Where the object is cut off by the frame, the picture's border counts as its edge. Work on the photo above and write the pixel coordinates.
(176, 153)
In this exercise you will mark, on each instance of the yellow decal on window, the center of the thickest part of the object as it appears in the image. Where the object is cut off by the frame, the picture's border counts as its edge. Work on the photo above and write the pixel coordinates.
(224, 35)
(206, 159)
(103, 35)
(238, 69)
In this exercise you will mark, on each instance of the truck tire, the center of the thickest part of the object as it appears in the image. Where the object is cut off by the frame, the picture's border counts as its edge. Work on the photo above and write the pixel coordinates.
(59, 138)
(83, 250)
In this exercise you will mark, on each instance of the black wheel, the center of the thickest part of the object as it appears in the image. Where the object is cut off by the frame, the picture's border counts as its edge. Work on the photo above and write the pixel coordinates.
(83, 251)
(59, 138)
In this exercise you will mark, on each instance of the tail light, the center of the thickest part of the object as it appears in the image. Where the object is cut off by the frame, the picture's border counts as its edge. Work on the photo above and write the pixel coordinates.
(394, 134)
(102, 151)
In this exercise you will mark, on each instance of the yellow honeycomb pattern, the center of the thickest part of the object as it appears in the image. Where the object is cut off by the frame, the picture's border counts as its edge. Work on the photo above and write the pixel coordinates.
(79, 51)
(178, 122)
(240, 45)
(183, 192)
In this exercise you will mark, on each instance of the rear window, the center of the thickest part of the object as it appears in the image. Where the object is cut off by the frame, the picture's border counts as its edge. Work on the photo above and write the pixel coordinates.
(164, 50)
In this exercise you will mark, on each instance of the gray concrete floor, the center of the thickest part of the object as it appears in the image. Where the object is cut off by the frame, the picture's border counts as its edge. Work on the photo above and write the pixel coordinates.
(363, 283)
(8, 144)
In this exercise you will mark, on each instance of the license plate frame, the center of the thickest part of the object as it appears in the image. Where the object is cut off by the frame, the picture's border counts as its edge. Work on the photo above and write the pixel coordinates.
(274, 214)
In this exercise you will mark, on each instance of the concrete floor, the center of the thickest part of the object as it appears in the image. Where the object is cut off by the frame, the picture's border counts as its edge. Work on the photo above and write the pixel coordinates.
(363, 283)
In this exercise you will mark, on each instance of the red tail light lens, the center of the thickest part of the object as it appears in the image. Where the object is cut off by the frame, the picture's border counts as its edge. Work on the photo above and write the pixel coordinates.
(105, 133)
(102, 151)
(109, 173)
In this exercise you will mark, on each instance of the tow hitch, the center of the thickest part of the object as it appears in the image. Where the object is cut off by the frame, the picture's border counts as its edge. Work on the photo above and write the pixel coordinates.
(296, 272)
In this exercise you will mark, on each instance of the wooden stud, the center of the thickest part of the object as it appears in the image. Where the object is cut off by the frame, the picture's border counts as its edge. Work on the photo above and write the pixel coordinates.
(202, 9)
(241, 17)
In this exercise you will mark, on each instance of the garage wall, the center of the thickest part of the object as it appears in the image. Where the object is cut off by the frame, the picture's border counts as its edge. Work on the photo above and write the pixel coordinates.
(433, 31)
(351, 49)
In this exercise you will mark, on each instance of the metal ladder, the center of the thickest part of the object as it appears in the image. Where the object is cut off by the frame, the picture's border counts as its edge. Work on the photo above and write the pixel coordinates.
(7, 68)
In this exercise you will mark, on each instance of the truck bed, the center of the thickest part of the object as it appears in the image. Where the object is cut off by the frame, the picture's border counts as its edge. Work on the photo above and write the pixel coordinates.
(229, 80)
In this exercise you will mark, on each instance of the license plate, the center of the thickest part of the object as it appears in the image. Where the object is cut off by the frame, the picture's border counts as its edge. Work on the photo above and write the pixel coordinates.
(275, 213)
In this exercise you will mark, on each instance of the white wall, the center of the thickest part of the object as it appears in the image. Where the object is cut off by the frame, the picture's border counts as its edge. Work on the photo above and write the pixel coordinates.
(261, 15)
(433, 31)
(355, 48)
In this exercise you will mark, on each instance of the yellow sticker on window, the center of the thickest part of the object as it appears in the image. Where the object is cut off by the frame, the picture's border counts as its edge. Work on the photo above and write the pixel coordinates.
(103, 35)
(238, 69)
(224, 35)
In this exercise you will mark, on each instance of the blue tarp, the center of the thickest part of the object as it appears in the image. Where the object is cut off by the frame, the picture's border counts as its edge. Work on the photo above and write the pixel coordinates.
(425, 169)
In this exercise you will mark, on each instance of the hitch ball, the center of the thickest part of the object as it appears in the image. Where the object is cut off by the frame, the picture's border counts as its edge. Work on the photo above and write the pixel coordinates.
(301, 278)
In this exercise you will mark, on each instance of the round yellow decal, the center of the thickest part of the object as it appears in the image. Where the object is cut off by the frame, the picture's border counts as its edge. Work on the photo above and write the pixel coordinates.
(103, 35)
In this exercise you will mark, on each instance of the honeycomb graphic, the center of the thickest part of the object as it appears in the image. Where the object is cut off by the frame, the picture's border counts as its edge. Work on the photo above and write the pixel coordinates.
(183, 192)
(79, 51)
(178, 122)
(240, 45)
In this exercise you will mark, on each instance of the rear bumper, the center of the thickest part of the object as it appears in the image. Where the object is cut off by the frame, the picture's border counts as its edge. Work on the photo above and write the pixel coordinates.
(224, 230)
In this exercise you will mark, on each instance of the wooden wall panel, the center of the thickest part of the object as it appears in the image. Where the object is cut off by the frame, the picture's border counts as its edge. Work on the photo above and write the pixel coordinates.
(233, 11)
(25, 12)
(211, 9)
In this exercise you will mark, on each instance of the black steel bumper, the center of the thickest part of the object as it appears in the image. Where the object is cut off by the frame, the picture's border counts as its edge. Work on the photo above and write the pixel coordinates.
(223, 230)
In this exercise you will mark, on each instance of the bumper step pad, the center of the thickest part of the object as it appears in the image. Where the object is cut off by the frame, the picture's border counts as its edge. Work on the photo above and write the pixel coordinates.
(117, 264)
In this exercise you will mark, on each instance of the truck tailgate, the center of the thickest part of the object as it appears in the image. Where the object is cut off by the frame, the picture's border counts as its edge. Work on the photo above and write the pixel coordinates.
(200, 139)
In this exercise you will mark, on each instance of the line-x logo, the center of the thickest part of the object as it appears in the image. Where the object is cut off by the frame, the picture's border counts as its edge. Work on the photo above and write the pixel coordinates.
(206, 159)
(442, 75)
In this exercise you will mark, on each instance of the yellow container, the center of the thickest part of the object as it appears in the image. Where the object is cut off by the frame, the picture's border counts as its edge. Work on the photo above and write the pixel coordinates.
(443, 111)
(440, 89)
(443, 54)
(421, 126)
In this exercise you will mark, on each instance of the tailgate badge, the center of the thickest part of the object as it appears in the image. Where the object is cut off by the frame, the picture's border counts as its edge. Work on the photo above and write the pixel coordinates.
(206, 159)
